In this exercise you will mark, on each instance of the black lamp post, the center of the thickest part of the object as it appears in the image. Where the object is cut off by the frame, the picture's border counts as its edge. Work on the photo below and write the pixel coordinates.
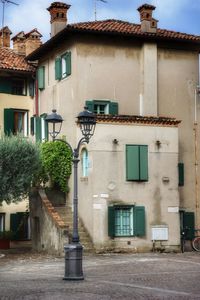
(74, 250)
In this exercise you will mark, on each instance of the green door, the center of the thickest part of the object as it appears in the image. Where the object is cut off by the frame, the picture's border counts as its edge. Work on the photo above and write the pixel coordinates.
(188, 225)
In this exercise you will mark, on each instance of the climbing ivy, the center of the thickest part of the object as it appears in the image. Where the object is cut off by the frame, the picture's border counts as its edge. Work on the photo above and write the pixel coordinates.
(57, 163)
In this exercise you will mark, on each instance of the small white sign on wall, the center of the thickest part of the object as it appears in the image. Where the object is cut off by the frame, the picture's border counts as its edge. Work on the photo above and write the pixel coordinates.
(173, 209)
(159, 233)
(97, 206)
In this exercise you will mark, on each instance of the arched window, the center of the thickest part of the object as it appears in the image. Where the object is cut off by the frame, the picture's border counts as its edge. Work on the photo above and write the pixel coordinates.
(84, 162)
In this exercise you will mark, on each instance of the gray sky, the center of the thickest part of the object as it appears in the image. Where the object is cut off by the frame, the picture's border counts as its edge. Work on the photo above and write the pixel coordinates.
(178, 15)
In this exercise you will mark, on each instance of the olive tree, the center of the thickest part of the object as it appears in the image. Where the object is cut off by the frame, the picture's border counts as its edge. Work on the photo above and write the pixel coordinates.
(19, 162)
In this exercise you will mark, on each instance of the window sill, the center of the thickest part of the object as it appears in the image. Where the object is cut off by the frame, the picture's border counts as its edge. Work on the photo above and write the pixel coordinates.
(84, 179)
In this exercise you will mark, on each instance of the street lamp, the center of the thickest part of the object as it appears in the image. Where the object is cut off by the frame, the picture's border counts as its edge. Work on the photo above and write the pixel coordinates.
(74, 250)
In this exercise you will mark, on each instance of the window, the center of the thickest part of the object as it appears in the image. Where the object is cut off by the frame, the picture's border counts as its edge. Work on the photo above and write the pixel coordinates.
(126, 220)
(136, 162)
(13, 85)
(39, 127)
(63, 66)
(15, 121)
(102, 107)
(19, 87)
(2, 221)
(84, 162)
(41, 77)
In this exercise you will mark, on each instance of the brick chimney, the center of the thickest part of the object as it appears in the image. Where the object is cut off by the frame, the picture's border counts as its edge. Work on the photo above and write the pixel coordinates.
(32, 41)
(5, 37)
(19, 43)
(148, 24)
(58, 13)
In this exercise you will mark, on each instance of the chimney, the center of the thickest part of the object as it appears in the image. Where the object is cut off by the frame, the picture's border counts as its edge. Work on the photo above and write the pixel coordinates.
(5, 37)
(58, 13)
(32, 41)
(19, 43)
(148, 24)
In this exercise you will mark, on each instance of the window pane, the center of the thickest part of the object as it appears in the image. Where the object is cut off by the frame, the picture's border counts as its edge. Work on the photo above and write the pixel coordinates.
(84, 163)
(64, 68)
(2, 222)
(123, 222)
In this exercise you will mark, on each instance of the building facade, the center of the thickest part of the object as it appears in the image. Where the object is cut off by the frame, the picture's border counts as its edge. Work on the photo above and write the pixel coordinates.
(139, 80)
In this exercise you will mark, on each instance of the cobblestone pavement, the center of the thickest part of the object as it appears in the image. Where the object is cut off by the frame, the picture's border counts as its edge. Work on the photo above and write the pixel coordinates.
(107, 277)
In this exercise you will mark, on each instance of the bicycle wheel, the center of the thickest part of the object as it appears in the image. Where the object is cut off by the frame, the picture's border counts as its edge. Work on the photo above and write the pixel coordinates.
(196, 243)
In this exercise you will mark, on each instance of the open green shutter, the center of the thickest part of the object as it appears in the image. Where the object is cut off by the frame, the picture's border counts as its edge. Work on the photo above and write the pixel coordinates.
(143, 162)
(189, 225)
(8, 121)
(41, 77)
(31, 88)
(111, 221)
(181, 174)
(38, 129)
(113, 108)
(32, 125)
(132, 162)
(68, 63)
(139, 220)
(58, 71)
(90, 105)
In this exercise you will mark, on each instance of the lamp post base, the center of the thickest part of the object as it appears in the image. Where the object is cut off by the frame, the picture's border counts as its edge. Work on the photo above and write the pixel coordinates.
(73, 262)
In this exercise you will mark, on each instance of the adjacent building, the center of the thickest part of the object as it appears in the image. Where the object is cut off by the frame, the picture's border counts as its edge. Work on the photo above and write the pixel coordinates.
(141, 81)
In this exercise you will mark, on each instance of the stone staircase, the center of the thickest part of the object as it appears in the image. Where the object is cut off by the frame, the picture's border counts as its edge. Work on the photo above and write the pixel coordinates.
(66, 215)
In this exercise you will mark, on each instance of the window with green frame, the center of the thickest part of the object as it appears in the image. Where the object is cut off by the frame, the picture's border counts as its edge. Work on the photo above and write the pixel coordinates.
(39, 128)
(126, 220)
(15, 121)
(13, 85)
(63, 66)
(102, 107)
(136, 162)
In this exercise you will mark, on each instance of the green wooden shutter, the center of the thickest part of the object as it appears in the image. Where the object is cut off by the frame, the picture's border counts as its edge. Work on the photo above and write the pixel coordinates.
(5, 85)
(188, 225)
(8, 121)
(38, 129)
(132, 162)
(139, 220)
(111, 221)
(90, 105)
(41, 77)
(32, 125)
(143, 154)
(68, 63)
(31, 88)
(181, 174)
(113, 108)
(58, 69)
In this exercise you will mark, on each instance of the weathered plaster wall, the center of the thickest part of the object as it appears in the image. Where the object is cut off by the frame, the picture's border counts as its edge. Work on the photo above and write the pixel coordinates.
(48, 230)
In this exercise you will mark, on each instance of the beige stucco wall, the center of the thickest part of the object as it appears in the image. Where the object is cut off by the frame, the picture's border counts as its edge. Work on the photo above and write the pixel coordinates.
(177, 80)
(106, 182)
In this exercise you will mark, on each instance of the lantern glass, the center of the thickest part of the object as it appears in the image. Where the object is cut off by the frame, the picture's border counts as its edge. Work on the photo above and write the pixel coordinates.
(54, 123)
(87, 122)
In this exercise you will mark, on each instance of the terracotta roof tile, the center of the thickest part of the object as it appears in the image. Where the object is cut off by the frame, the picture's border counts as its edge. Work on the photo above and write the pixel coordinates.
(9, 60)
(126, 119)
(131, 29)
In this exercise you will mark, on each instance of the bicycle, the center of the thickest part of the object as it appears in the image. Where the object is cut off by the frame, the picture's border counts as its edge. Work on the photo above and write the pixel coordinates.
(196, 241)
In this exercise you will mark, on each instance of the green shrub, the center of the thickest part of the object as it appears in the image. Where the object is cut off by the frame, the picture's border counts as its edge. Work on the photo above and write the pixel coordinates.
(19, 161)
(57, 162)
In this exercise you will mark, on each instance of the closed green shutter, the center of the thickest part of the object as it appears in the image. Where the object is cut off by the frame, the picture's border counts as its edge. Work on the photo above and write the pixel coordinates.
(32, 125)
(132, 162)
(46, 127)
(68, 63)
(111, 221)
(31, 88)
(113, 108)
(8, 121)
(143, 162)
(90, 105)
(188, 225)
(181, 174)
(139, 220)
(38, 129)
(41, 77)
(58, 70)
